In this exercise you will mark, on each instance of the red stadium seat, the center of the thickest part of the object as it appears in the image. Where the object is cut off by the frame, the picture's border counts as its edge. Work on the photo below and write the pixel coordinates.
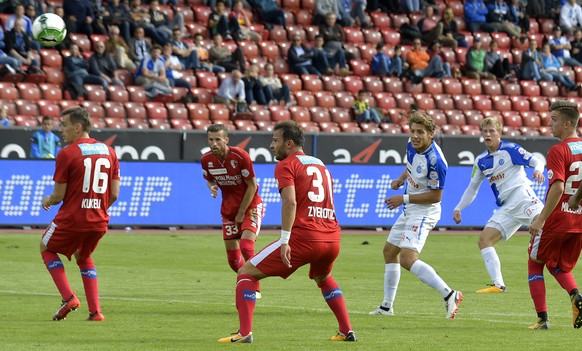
(265, 126)
(201, 123)
(340, 114)
(51, 58)
(345, 99)
(114, 109)
(370, 128)
(372, 36)
(539, 103)
(452, 86)
(207, 80)
(361, 68)
(425, 101)
(311, 82)
(305, 98)
(391, 128)
(381, 20)
(309, 127)
(29, 91)
(393, 85)
(159, 124)
(219, 112)
(332, 84)
(353, 84)
(482, 103)
(81, 40)
(501, 103)
(549, 89)
(320, 114)
(300, 113)
(303, 18)
(177, 111)
(94, 108)
(270, 50)
(444, 102)
(197, 111)
(384, 100)
(202, 13)
(520, 103)
(293, 81)
(470, 130)
(512, 120)
(438, 117)
(449, 129)
(456, 117)
(260, 113)
(135, 110)
(49, 108)
(399, 19)
(530, 88)
(412, 88)
(182, 124)
(354, 35)
(474, 118)
(329, 127)
(404, 100)
(471, 86)
(27, 108)
(391, 37)
(433, 86)
(245, 125)
(95, 93)
(204, 95)
(325, 99)
(491, 87)
(115, 123)
(373, 84)
(350, 127)
(279, 113)
(463, 102)
(137, 93)
(531, 119)
(9, 92)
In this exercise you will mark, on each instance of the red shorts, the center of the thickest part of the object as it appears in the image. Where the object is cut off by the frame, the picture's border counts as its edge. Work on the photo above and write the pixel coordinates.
(319, 254)
(252, 222)
(556, 250)
(68, 242)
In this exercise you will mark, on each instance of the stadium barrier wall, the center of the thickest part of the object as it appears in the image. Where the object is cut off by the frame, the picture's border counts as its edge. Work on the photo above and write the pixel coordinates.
(364, 149)
(175, 194)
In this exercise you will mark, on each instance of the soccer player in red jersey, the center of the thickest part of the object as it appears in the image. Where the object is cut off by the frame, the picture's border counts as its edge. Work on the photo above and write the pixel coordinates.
(230, 169)
(557, 231)
(310, 234)
(87, 182)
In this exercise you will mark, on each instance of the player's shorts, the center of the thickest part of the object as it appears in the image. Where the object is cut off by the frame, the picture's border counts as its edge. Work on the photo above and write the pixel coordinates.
(556, 250)
(519, 210)
(411, 230)
(67, 242)
(252, 222)
(319, 255)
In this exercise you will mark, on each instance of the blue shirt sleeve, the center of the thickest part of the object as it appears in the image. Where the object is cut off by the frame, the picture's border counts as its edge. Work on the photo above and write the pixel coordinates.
(519, 155)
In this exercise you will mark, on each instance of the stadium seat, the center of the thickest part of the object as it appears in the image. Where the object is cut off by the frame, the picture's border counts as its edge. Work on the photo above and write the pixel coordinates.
(367, 51)
(25, 121)
(456, 117)
(340, 114)
(432, 86)
(181, 124)
(332, 84)
(293, 81)
(393, 84)
(361, 68)
(530, 88)
(202, 13)
(398, 20)
(539, 103)
(452, 86)
(197, 111)
(549, 89)
(300, 113)
(473, 117)
(384, 100)
(305, 98)
(405, 128)
(503, 40)
(370, 128)
(54, 75)
(160, 124)
(204, 95)
(303, 18)
(94, 108)
(67, 104)
(531, 119)
(354, 35)
(438, 117)
(311, 31)
(491, 87)
(115, 123)
(471, 86)
(320, 114)
(511, 131)
(245, 125)
(345, 99)
(97, 124)
(260, 113)
(49, 108)
(391, 37)
(391, 128)
(444, 102)
(329, 127)
(461, 55)
(404, 100)
(350, 127)
(137, 93)
(325, 99)
(265, 126)
(201, 123)
(249, 48)
(412, 88)
(218, 112)
(95, 93)
(207, 80)
(135, 110)
(311, 82)
(27, 108)
(470, 130)
(511, 89)
(353, 84)
(520, 103)
(51, 91)
(381, 20)
(81, 40)
(449, 129)
(529, 131)
(309, 127)
(482, 103)
(546, 131)
(9, 92)
(279, 113)
(425, 101)
(29, 91)
(176, 111)
(114, 109)
(501, 103)
(270, 49)
(51, 58)
(512, 120)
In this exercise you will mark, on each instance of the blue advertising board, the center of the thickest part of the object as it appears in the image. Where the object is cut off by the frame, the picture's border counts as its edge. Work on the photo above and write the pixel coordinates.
(175, 194)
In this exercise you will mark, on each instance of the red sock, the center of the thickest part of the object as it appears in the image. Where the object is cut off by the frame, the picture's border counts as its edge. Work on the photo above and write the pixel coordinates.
(247, 248)
(235, 261)
(89, 276)
(537, 285)
(57, 271)
(565, 279)
(245, 302)
(335, 300)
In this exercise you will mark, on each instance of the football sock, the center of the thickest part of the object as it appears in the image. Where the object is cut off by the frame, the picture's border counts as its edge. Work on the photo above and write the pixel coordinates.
(89, 277)
(391, 280)
(247, 248)
(246, 286)
(543, 316)
(565, 279)
(235, 261)
(334, 297)
(57, 271)
(493, 265)
(537, 285)
(574, 292)
(427, 274)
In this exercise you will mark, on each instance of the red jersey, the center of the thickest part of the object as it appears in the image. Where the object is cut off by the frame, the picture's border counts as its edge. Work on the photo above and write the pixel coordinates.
(565, 164)
(315, 215)
(88, 167)
(230, 174)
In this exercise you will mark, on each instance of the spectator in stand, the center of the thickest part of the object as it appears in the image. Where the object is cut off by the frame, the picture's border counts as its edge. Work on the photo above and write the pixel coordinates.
(475, 66)
(101, 64)
(119, 50)
(498, 17)
(447, 32)
(577, 45)
(334, 36)
(44, 143)
(174, 68)
(231, 90)
(117, 14)
(560, 46)
(274, 90)
(4, 120)
(410, 6)
(421, 65)
(140, 17)
(253, 87)
(269, 13)
(382, 65)
(531, 64)
(242, 29)
(325, 62)
(427, 26)
(570, 16)
(18, 46)
(162, 24)
(363, 112)
(350, 10)
(20, 16)
(151, 74)
(300, 58)
(30, 12)
(203, 55)
(40, 6)
(476, 16)
(323, 8)
(76, 69)
(518, 16)
(188, 55)
(79, 17)
(495, 64)
(436, 49)
(218, 22)
(388, 6)
(221, 55)
(551, 65)
(139, 47)
(212, 3)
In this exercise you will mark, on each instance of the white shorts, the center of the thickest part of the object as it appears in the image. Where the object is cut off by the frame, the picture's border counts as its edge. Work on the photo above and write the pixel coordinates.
(518, 210)
(411, 231)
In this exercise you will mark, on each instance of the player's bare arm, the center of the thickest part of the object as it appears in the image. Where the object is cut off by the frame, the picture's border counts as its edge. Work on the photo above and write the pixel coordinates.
(56, 197)
(288, 211)
(575, 199)
(430, 197)
(554, 194)
(539, 176)
(114, 192)
(247, 199)
(213, 187)
(397, 183)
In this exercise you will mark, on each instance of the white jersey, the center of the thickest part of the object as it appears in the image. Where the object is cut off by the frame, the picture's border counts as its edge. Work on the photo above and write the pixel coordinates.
(426, 172)
(504, 169)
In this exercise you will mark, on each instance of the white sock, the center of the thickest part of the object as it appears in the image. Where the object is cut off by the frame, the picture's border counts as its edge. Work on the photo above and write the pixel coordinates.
(493, 265)
(391, 280)
(427, 275)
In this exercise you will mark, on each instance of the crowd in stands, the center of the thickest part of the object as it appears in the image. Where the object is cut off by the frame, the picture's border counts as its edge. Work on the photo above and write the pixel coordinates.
(334, 65)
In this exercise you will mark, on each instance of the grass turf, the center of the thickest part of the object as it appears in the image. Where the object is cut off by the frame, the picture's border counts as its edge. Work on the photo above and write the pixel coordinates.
(175, 292)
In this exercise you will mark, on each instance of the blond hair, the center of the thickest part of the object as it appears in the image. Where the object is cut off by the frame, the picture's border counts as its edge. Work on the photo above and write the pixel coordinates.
(494, 122)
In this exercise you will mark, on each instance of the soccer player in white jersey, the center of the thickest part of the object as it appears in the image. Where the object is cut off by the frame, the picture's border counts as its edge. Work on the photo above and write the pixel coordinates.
(424, 178)
(502, 164)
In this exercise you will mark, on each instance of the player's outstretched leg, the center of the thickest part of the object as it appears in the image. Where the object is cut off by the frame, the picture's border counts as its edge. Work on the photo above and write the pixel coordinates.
(247, 248)
(334, 298)
(537, 290)
(56, 269)
(246, 286)
(91, 285)
(235, 260)
(391, 281)
(493, 266)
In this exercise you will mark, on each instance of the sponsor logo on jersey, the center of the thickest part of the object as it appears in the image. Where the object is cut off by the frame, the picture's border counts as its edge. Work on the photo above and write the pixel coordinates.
(210, 165)
(550, 174)
(501, 162)
(434, 183)
(245, 172)
(418, 169)
(575, 147)
(433, 175)
(521, 151)
(94, 149)
(234, 163)
(566, 208)
(497, 177)
(218, 171)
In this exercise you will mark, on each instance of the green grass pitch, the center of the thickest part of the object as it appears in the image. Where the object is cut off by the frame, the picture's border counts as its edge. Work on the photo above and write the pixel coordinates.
(175, 292)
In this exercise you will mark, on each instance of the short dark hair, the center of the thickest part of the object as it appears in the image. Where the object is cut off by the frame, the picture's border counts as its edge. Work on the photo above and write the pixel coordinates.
(78, 115)
(215, 128)
(290, 130)
(379, 46)
(568, 110)
(45, 118)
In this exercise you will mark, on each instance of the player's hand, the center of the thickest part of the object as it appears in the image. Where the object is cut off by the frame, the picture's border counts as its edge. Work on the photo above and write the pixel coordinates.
(457, 216)
(536, 226)
(239, 217)
(396, 184)
(539, 176)
(214, 191)
(573, 203)
(394, 201)
(45, 203)
(286, 254)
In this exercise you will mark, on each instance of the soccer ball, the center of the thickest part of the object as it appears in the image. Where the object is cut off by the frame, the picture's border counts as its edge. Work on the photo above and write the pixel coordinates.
(49, 29)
